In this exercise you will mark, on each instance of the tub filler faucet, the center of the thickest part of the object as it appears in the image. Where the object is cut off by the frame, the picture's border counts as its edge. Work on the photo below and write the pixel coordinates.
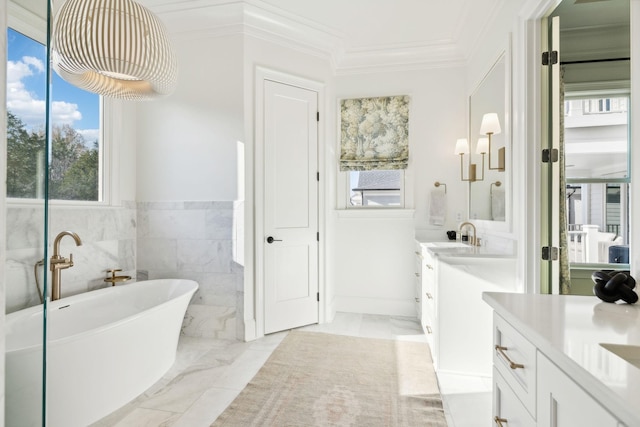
(59, 263)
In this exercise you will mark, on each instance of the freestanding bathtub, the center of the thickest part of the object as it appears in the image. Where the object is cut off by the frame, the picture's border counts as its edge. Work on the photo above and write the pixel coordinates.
(104, 348)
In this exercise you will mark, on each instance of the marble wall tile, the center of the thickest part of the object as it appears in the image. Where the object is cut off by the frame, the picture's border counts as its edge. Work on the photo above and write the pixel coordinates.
(157, 254)
(108, 237)
(172, 224)
(213, 256)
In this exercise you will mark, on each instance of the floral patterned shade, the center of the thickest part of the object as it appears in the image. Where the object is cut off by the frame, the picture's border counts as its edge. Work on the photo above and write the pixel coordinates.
(374, 133)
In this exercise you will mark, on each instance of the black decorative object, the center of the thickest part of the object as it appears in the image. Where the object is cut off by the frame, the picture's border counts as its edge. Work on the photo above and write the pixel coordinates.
(613, 285)
(451, 234)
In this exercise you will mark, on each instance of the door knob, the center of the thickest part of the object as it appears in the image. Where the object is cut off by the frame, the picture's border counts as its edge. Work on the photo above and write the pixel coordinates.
(270, 239)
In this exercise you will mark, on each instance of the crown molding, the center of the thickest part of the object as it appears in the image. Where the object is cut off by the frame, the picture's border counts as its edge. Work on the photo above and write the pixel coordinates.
(255, 18)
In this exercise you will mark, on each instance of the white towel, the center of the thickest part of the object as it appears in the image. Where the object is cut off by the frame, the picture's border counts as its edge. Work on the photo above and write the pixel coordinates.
(497, 204)
(437, 207)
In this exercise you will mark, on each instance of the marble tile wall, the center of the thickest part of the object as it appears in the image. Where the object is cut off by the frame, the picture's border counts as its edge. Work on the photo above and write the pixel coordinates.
(108, 235)
(201, 241)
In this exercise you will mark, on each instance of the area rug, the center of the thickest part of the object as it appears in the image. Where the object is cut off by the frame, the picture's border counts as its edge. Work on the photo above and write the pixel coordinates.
(318, 379)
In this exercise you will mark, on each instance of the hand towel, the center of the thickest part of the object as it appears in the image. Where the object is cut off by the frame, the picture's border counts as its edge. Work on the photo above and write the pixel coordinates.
(497, 204)
(437, 207)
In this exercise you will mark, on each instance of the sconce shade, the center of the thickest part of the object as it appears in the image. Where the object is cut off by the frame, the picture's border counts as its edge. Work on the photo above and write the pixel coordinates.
(483, 146)
(115, 48)
(490, 124)
(462, 146)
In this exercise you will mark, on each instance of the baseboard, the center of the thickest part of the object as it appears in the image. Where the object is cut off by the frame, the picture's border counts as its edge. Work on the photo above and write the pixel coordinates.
(389, 307)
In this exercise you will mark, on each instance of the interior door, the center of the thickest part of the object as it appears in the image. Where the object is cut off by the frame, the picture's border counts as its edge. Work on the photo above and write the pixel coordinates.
(290, 207)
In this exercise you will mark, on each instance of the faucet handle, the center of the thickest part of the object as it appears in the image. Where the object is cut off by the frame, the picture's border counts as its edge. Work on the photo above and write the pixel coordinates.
(71, 259)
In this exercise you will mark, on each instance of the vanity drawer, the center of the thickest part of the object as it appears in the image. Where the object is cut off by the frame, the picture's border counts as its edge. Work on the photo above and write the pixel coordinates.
(508, 411)
(514, 357)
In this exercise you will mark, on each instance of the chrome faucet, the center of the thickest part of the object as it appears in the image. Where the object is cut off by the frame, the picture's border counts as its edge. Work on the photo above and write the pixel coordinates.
(59, 263)
(473, 241)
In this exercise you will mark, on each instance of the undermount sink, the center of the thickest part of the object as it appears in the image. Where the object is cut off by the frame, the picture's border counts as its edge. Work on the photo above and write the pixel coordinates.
(450, 244)
(630, 353)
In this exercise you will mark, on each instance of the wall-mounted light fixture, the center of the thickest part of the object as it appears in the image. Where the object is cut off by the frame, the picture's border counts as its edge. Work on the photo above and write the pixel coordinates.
(462, 148)
(482, 148)
(491, 126)
(115, 48)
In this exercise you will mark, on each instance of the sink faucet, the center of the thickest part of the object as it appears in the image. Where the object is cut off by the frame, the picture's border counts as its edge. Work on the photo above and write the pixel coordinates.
(59, 263)
(473, 240)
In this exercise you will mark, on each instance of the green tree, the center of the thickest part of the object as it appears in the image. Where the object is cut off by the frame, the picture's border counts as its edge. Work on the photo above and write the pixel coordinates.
(80, 181)
(25, 160)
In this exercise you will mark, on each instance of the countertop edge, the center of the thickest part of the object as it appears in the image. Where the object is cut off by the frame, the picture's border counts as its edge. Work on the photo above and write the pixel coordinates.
(591, 385)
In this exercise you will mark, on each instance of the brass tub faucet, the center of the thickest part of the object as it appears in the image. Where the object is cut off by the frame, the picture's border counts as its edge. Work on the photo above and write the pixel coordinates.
(59, 263)
(113, 279)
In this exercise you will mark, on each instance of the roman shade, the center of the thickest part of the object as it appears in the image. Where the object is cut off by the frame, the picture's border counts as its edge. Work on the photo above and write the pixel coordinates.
(374, 133)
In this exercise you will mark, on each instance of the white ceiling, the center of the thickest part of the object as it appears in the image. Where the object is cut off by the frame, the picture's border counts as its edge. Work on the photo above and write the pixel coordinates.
(354, 33)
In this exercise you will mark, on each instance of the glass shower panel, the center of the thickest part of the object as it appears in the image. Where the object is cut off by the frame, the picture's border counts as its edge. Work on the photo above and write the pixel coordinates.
(26, 211)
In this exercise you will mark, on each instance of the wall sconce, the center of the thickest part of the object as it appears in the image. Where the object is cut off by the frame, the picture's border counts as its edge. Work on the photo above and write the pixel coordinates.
(491, 126)
(482, 148)
(462, 148)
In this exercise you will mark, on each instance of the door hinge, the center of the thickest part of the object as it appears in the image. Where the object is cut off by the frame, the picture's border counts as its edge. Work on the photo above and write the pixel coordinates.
(318, 116)
(318, 296)
(549, 155)
(550, 58)
(318, 236)
(549, 253)
(318, 176)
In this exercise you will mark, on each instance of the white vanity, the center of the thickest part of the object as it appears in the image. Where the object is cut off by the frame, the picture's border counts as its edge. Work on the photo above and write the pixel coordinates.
(450, 279)
(565, 361)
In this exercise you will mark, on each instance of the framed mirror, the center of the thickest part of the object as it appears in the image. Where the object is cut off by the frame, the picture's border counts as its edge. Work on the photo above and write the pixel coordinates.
(490, 146)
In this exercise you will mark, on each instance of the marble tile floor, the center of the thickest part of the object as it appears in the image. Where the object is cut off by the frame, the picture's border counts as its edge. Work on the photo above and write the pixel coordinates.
(209, 373)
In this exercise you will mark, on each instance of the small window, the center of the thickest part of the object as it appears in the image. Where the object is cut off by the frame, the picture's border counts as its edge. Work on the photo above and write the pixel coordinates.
(75, 155)
(376, 189)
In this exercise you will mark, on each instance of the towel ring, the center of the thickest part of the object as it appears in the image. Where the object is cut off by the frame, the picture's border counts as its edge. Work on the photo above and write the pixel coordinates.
(438, 184)
(497, 184)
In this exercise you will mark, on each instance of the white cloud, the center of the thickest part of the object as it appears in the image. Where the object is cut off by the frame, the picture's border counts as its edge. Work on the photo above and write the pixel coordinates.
(25, 104)
(90, 135)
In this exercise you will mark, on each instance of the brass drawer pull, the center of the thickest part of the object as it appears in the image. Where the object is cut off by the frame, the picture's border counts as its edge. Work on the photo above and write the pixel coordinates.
(429, 331)
(429, 295)
(512, 365)
(417, 299)
(417, 274)
(429, 266)
(499, 421)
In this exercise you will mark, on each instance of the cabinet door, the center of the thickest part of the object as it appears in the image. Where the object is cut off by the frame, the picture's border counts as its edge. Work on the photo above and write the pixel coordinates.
(508, 411)
(562, 403)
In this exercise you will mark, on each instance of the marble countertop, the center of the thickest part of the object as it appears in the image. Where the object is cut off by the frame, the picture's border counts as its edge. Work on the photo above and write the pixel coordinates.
(571, 331)
(453, 248)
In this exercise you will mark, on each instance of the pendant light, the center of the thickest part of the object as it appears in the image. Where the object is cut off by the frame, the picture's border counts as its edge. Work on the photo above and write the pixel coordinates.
(116, 48)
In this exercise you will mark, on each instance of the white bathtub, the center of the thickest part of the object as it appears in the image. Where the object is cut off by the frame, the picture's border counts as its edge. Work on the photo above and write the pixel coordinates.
(104, 348)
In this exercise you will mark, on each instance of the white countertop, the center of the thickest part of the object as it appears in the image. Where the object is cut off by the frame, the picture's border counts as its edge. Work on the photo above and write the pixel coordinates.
(569, 330)
(452, 248)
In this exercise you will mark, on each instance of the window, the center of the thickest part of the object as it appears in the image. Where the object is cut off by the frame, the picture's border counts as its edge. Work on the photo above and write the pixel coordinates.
(75, 162)
(597, 171)
(377, 188)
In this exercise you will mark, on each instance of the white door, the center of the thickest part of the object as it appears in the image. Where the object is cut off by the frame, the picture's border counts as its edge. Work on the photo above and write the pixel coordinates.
(290, 207)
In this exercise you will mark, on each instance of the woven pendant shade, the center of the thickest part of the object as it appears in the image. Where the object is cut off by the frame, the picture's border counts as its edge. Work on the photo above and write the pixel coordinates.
(115, 48)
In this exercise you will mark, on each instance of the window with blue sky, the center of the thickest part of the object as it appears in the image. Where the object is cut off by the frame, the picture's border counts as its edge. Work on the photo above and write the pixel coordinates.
(73, 161)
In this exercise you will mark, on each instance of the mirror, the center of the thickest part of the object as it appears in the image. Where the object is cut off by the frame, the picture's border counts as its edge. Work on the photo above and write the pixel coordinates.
(489, 194)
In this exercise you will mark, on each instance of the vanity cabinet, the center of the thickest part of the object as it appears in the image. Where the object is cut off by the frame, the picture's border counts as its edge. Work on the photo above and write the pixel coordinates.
(426, 275)
(530, 390)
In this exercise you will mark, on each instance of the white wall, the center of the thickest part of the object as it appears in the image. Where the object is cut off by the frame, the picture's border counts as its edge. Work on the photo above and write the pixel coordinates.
(187, 142)
(372, 252)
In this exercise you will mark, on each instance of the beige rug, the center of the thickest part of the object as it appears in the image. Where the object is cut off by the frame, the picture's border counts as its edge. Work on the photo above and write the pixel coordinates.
(317, 379)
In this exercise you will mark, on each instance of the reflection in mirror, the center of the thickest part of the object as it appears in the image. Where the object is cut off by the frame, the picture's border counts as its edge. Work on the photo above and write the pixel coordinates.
(489, 141)
(596, 137)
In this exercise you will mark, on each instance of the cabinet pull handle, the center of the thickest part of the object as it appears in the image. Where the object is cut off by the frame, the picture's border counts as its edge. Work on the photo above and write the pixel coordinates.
(499, 421)
(429, 266)
(417, 274)
(417, 299)
(429, 331)
(429, 295)
(512, 365)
